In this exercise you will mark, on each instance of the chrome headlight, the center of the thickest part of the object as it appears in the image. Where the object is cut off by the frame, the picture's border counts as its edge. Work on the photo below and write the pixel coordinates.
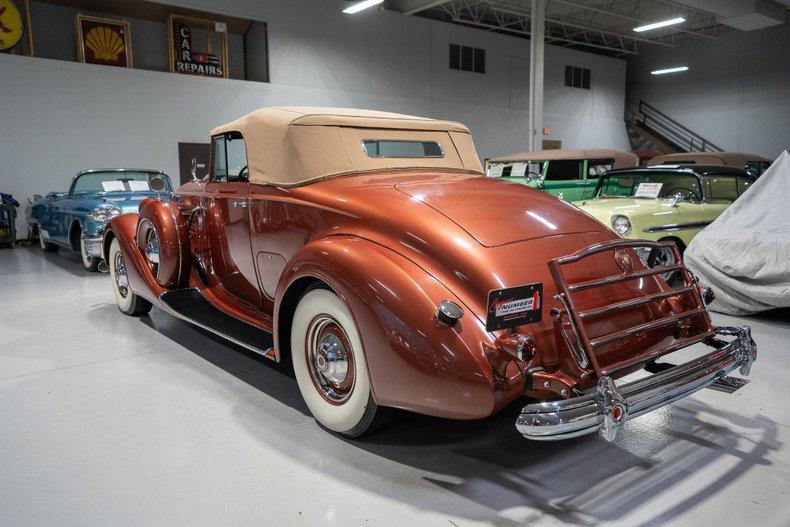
(104, 212)
(621, 225)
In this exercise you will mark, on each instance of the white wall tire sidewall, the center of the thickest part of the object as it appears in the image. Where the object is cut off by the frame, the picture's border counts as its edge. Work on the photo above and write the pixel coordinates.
(41, 242)
(336, 417)
(124, 304)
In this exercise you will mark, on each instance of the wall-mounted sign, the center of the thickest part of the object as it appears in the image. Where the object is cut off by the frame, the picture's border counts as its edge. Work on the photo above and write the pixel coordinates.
(16, 36)
(104, 41)
(197, 46)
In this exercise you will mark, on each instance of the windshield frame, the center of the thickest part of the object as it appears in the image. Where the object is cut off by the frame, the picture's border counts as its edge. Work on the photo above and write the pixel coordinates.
(168, 188)
(597, 194)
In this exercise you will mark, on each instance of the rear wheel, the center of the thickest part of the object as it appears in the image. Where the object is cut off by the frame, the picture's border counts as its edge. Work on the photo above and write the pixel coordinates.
(128, 302)
(89, 262)
(45, 245)
(330, 365)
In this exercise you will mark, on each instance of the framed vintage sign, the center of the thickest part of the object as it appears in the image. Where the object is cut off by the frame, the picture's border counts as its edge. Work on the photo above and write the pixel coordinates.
(197, 46)
(106, 41)
(16, 35)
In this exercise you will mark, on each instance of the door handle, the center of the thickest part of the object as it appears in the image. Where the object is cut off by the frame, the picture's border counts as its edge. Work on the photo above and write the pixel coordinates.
(241, 203)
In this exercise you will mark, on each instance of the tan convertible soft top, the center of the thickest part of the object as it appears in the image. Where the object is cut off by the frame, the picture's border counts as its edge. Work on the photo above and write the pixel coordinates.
(290, 146)
(733, 159)
(622, 159)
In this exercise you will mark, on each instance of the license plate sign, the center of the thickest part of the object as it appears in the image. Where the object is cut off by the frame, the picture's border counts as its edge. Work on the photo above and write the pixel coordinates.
(514, 306)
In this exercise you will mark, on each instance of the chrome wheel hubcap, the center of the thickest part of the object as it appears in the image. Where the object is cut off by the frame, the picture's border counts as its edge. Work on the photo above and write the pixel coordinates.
(152, 249)
(663, 258)
(330, 359)
(119, 273)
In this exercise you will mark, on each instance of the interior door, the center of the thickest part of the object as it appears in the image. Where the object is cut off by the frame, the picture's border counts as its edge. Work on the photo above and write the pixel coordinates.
(228, 219)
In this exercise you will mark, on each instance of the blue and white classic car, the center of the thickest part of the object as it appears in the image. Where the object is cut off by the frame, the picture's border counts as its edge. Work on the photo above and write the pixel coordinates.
(75, 219)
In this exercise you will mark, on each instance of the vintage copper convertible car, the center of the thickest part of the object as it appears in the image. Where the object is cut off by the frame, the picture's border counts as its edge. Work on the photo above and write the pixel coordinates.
(368, 248)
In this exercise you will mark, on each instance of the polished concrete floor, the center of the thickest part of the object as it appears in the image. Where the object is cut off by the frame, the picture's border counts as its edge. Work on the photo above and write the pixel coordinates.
(111, 420)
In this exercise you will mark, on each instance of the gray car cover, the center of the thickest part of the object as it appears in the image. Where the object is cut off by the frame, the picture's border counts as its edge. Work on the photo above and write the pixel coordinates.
(745, 254)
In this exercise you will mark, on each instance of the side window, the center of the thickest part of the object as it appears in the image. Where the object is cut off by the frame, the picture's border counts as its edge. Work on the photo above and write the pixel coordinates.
(563, 170)
(237, 157)
(596, 167)
(229, 158)
(219, 171)
(743, 184)
(722, 189)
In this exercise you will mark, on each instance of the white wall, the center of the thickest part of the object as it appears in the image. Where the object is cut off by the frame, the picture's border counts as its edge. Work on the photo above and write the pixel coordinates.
(66, 116)
(736, 94)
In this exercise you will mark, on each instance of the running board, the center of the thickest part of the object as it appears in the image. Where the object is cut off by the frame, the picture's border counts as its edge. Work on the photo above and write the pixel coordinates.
(190, 305)
(725, 384)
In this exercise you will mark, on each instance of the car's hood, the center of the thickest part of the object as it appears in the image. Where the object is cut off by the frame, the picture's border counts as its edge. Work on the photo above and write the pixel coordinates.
(496, 212)
(127, 201)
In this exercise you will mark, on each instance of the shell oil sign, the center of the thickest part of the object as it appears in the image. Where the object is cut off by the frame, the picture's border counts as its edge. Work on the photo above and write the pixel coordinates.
(104, 41)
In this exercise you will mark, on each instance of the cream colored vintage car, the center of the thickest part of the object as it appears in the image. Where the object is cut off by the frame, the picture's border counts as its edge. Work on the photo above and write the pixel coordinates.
(665, 203)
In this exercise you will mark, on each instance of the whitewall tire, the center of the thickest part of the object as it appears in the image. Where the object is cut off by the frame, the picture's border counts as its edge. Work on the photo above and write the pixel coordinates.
(128, 302)
(45, 245)
(330, 367)
(88, 262)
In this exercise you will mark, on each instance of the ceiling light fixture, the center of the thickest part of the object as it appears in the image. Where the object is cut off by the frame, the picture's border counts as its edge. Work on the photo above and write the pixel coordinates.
(656, 25)
(359, 6)
(670, 70)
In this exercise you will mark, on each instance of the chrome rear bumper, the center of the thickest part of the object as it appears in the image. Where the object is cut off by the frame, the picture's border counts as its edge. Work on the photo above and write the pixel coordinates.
(610, 406)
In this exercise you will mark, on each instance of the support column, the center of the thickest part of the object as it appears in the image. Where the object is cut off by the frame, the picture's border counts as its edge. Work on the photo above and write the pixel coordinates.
(536, 39)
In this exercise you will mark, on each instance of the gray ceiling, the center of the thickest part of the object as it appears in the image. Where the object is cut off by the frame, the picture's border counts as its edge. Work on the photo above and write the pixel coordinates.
(602, 26)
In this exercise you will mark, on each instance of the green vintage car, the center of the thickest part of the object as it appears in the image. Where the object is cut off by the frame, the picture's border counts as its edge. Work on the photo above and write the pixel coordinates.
(568, 174)
(667, 202)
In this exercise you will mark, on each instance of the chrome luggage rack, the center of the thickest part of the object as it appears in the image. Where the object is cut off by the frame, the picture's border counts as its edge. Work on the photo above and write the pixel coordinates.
(585, 355)
(606, 408)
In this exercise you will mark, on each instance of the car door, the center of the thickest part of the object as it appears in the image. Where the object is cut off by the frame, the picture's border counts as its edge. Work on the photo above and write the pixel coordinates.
(228, 219)
(57, 219)
(563, 178)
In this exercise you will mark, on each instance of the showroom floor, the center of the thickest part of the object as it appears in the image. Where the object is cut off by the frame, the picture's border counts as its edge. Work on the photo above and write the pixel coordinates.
(111, 420)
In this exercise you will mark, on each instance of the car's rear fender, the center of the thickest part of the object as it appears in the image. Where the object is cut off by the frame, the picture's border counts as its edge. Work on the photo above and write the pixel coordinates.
(415, 362)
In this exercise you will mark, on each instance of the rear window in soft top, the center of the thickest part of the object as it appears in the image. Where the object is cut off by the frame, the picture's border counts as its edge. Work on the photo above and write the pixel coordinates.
(401, 148)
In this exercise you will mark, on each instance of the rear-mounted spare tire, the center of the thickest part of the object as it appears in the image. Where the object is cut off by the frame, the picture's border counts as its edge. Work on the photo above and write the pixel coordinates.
(163, 239)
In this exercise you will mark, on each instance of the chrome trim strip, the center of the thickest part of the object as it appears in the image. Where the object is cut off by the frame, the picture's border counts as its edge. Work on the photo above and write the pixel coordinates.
(610, 406)
(225, 336)
(678, 226)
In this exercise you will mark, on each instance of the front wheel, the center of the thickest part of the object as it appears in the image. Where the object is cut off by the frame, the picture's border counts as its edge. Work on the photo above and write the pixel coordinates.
(128, 302)
(45, 245)
(330, 366)
(89, 262)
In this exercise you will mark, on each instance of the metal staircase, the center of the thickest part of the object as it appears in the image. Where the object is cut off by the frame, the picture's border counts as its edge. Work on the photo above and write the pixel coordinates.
(650, 129)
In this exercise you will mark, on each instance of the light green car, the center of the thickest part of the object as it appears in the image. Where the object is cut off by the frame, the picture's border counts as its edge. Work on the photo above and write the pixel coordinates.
(665, 203)
(568, 174)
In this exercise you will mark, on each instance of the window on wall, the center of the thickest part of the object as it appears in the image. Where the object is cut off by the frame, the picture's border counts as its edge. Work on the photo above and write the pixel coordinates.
(467, 58)
(577, 77)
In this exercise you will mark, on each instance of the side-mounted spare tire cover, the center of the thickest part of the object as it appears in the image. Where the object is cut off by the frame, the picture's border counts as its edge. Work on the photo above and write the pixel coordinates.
(164, 241)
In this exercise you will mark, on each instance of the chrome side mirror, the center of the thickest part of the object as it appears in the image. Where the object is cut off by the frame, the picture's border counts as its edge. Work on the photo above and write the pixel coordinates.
(677, 199)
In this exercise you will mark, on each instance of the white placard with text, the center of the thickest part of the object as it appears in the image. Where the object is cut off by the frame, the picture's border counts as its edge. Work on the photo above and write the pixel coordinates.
(138, 186)
(495, 170)
(113, 186)
(648, 190)
(518, 170)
